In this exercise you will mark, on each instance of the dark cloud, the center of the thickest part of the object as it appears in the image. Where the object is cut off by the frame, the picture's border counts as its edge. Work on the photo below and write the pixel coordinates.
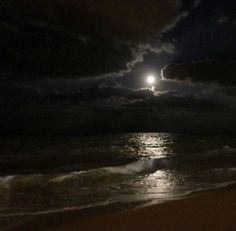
(129, 20)
(108, 106)
(119, 114)
(222, 20)
(209, 71)
(200, 36)
(46, 52)
(78, 38)
(83, 40)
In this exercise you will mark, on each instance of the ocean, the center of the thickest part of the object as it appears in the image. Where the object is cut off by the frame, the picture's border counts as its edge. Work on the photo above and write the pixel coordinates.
(47, 174)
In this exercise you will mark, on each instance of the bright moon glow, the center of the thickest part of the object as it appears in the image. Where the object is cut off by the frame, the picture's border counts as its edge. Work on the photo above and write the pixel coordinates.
(151, 79)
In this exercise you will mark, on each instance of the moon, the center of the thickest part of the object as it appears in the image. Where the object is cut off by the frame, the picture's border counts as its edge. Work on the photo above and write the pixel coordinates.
(151, 79)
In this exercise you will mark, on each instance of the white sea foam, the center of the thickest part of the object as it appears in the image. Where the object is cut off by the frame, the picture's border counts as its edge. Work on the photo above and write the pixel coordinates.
(228, 149)
(133, 168)
(80, 187)
(51, 211)
(146, 202)
(138, 167)
(184, 195)
(225, 150)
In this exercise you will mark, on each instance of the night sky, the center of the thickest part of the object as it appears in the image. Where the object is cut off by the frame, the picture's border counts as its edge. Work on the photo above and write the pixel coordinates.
(81, 66)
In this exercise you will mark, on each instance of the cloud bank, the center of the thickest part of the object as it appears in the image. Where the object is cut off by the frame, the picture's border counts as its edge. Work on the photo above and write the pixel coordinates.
(109, 106)
(78, 38)
(209, 71)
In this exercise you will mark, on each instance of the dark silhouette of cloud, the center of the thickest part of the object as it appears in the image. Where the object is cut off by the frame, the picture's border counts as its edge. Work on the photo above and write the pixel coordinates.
(111, 107)
(78, 38)
(129, 20)
(209, 71)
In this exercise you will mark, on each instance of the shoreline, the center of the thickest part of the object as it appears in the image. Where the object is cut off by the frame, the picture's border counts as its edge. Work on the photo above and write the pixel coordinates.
(207, 210)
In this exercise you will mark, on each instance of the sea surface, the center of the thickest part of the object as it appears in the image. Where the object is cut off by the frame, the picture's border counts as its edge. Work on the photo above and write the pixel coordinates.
(46, 174)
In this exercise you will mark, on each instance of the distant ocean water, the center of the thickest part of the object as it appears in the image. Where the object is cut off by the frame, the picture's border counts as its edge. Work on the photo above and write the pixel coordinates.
(48, 174)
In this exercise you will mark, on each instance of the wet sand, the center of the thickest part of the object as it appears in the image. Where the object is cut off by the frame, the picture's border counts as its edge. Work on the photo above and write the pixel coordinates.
(207, 211)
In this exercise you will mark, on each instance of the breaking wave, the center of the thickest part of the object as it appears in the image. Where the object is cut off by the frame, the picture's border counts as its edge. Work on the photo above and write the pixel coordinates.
(139, 167)
(225, 150)
(35, 193)
(146, 166)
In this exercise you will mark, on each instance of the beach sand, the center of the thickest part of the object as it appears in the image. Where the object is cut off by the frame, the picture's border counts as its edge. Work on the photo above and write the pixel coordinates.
(206, 211)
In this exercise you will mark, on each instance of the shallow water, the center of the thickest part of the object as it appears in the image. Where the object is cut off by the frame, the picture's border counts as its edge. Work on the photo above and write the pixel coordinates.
(43, 174)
